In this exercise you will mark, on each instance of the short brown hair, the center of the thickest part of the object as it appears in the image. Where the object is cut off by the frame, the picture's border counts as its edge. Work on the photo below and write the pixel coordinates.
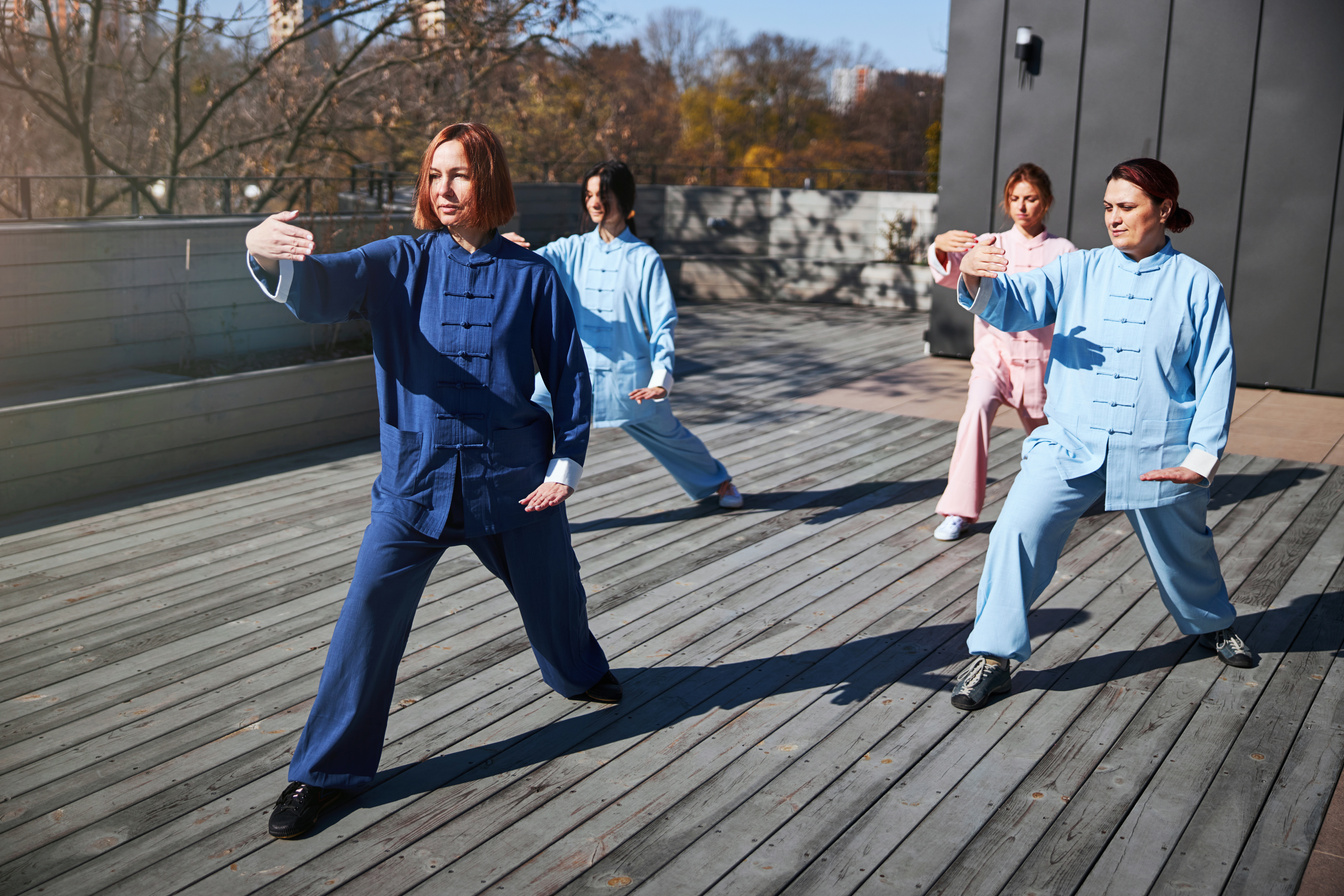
(1032, 174)
(492, 201)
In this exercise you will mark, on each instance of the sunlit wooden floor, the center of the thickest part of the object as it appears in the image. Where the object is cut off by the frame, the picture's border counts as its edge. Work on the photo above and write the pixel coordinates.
(786, 726)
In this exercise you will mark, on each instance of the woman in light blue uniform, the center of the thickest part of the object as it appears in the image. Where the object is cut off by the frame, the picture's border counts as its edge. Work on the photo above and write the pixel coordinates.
(626, 317)
(1141, 380)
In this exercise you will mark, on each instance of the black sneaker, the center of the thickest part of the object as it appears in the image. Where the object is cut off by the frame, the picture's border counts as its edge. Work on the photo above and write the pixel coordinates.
(296, 811)
(981, 679)
(1230, 648)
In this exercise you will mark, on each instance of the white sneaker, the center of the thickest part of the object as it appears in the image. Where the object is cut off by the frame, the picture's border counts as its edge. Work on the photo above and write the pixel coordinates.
(951, 528)
(729, 497)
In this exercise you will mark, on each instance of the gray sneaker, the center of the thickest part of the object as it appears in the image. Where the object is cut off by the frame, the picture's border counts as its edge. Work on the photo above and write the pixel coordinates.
(979, 681)
(1230, 648)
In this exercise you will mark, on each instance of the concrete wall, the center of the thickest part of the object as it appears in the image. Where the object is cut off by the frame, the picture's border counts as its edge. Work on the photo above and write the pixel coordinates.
(92, 312)
(52, 451)
(727, 243)
(80, 299)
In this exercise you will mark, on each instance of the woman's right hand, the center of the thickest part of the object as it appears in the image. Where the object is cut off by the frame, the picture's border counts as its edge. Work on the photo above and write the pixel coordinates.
(984, 260)
(953, 241)
(275, 239)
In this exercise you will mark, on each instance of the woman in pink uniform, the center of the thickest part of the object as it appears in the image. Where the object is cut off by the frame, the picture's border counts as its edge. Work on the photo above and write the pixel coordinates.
(1006, 368)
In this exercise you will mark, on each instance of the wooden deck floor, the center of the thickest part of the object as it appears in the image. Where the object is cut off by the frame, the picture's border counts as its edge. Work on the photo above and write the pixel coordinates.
(786, 727)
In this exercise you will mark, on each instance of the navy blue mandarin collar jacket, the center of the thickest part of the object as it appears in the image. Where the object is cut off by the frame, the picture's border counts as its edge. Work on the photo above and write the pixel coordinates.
(457, 337)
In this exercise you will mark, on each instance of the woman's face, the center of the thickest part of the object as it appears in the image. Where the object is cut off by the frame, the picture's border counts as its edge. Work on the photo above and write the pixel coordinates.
(1136, 224)
(1025, 206)
(602, 207)
(450, 184)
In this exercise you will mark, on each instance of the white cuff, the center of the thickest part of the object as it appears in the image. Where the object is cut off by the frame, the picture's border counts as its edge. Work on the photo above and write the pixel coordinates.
(661, 378)
(936, 268)
(977, 303)
(286, 277)
(564, 470)
(1202, 462)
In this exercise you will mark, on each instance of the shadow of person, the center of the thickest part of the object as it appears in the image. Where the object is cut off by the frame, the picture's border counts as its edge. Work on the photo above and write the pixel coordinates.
(667, 695)
(829, 504)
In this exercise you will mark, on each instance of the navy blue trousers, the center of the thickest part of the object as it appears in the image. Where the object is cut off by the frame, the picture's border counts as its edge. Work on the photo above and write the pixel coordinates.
(343, 738)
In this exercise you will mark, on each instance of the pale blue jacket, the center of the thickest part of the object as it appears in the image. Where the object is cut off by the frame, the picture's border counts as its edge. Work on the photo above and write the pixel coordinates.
(1141, 372)
(626, 318)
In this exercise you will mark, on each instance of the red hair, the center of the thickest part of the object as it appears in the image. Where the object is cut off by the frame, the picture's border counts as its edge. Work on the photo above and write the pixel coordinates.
(1159, 182)
(1033, 175)
(491, 202)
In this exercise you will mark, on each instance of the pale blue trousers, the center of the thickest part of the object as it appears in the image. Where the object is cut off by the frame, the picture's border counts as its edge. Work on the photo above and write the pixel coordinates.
(1030, 533)
(683, 455)
(343, 737)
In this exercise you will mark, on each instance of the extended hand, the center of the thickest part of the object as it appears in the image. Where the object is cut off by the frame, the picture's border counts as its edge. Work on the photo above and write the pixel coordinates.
(653, 393)
(1172, 474)
(954, 241)
(548, 494)
(517, 238)
(985, 259)
(275, 239)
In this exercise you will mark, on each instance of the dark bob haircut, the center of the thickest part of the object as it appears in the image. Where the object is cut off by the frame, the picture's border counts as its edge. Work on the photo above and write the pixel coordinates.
(615, 181)
(491, 202)
(1159, 182)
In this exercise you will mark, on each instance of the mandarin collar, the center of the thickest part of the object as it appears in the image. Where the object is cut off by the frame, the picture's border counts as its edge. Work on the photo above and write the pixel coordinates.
(1153, 262)
(1028, 242)
(485, 254)
(618, 242)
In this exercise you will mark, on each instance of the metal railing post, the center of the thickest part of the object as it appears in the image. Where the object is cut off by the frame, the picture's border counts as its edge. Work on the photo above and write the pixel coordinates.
(135, 195)
(226, 195)
(308, 195)
(26, 197)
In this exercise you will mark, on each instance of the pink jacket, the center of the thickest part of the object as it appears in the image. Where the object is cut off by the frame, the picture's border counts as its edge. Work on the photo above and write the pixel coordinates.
(995, 346)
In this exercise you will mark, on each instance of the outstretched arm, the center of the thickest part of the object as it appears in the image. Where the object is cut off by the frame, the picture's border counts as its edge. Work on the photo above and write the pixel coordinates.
(275, 240)
(985, 259)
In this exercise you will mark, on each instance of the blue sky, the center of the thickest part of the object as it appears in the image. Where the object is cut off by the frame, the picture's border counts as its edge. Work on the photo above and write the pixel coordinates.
(908, 33)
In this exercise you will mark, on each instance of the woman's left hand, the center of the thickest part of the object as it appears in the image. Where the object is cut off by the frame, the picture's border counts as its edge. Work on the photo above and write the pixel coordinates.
(653, 393)
(515, 237)
(1172, 474)
(548, 494)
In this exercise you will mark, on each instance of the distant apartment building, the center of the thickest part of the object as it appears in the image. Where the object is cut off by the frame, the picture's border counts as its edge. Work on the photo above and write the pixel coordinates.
(431, 18)
(848, 85)
(11, 14)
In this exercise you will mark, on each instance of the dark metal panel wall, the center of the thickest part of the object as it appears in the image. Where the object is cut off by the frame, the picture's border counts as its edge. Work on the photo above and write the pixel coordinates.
(1206, 116)
(970, 121)
(1293, 155)
(1330, 351)
(1037, 121)
(1120, 111)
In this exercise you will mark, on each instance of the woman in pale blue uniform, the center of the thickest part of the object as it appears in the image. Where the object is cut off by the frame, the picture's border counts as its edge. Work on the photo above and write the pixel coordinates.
(626, 317)
(1141, 380)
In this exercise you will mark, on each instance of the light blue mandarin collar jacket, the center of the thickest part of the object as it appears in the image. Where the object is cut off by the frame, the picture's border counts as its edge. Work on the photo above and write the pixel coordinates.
(626, 316)
(1141, 373)
(455, 335)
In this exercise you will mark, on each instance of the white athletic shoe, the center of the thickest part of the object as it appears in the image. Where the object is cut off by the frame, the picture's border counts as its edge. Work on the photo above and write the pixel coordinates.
(951, 528)
(729, 497)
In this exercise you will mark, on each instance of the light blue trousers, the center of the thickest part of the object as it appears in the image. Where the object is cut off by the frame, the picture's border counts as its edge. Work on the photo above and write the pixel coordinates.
(683, 455)
(343, 737)
(1027, 539)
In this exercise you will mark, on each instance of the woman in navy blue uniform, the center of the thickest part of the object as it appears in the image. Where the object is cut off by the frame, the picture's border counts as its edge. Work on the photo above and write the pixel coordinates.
(461, 318)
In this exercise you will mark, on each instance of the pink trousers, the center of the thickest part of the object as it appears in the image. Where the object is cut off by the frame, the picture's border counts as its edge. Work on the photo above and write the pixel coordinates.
(1019, 385)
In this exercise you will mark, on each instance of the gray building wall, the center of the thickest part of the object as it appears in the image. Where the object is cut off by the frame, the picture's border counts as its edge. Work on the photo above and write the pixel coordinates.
(1244, 99)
